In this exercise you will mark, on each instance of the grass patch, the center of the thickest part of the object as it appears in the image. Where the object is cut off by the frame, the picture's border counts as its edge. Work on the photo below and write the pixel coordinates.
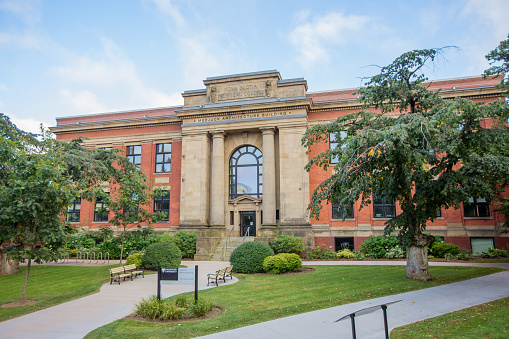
(257, 298)
(50, 285)
(483, 321)
(498, 260)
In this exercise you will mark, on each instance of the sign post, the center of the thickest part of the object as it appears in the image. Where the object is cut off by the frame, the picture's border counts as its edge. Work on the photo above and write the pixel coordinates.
(177, 276)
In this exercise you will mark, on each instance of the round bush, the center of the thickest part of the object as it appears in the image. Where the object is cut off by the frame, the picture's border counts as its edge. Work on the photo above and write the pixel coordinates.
(377, 246)
(282, 263)
(135, 258)
(346, 253)
(287, 244)
(165, 254)
(439, 250)
(249, 256)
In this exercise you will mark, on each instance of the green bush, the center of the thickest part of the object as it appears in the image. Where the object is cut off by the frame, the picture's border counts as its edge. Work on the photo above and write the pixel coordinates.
(320, 252)
(188, 241)
(377, 246)
(287, 244)
(358, 255)
(282, 263)
(497, 252)
(135, 258)
(165, 254)
(449, 256)
(345, 253)
(200, 308)
(439, 250)
(464, 255)
(249, 256)
(396, 252)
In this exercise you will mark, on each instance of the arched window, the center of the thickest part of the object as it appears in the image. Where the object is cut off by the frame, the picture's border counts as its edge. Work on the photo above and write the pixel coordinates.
(246, 172)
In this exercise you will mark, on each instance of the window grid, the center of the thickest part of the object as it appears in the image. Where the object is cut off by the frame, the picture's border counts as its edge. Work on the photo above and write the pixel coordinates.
(98, 216)
(333, 143)
(338, 212)
(384, 208)
(163, 158)
(162, 204)
(243, 160)
(73, 211)
(478, 207)
(133, 153)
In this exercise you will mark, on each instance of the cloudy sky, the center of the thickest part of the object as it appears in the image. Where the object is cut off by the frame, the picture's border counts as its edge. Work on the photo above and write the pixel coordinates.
(63, 58)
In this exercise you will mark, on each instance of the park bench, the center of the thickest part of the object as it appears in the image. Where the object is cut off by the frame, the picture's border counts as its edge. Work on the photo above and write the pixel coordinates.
(118, 273)
(219, 275)
(228, 272)
(134, 271)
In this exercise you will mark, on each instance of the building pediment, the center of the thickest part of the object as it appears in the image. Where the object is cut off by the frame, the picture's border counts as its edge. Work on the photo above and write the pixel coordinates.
(245, 199)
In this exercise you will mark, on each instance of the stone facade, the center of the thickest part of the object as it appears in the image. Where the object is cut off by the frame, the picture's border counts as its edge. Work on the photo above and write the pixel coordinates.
(248, 112)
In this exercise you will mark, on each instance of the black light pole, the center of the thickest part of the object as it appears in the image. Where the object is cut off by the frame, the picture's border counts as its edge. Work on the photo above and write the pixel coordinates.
(352, 318)
(158, 282)
(384, 309)
(195, 284)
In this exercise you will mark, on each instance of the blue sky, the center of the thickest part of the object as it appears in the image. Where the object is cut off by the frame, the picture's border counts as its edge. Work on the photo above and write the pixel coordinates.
(64, 58)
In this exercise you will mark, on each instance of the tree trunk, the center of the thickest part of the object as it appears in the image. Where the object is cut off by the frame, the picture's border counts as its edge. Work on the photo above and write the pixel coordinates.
(417, 263)
(24, 293)
(7, 266)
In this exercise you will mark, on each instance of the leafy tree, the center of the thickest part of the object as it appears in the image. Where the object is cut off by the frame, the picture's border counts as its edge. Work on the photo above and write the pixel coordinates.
(409, 145)
(499, 61)
(40, 178)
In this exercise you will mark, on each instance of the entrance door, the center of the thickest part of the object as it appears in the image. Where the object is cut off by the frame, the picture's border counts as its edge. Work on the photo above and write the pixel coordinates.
(248, 223)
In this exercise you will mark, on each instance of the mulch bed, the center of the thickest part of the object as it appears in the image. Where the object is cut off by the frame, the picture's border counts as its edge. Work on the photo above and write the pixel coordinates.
(211, 314)
(18, 303)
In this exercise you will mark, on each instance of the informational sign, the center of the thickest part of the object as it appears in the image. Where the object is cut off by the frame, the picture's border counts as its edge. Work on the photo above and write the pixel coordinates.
(177, 276)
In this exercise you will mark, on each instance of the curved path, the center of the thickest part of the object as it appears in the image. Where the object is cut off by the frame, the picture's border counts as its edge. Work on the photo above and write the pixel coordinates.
(74, 319)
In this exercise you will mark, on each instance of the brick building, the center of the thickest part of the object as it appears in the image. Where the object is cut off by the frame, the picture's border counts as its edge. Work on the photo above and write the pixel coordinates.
(232, 162)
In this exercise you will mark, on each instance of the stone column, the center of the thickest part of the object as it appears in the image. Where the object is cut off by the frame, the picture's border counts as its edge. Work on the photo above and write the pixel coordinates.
(217, 180)
(269, 177)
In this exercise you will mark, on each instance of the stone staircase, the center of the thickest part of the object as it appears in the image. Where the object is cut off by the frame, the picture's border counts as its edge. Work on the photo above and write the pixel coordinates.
(222, 253)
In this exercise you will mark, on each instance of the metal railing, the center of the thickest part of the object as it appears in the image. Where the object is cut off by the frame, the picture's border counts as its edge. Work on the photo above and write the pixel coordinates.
(225, 247)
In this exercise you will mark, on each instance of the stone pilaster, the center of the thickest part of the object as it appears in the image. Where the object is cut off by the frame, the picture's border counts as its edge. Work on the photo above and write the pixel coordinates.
(269, 177)
(217, 180)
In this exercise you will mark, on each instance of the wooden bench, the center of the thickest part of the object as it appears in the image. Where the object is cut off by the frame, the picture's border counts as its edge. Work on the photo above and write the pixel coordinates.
(118, 273)
(228, 272)
(134, 271)
(219, 275)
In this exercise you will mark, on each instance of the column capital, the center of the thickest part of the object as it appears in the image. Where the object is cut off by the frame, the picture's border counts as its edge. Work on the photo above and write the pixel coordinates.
(268, 130)
(217, 134)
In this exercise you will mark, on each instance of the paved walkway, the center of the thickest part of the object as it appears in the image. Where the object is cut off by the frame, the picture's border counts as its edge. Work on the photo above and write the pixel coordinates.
(414, 306)
(76, 318)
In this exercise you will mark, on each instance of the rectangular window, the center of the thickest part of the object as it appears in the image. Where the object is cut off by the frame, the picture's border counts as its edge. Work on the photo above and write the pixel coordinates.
(341, 243)
(477, 207)
(339, 211)
(163, 158)
(133, 153)
(480, 245)
(333, 143)
(162, 204)
(232, 218)
(384, 208)
(73, 211)
(99, 207)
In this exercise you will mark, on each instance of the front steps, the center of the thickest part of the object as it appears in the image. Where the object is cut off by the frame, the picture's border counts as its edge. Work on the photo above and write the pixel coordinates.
(223, 251)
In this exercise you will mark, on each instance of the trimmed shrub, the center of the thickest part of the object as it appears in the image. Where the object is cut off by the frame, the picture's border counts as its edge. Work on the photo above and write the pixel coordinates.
(358, 255)
(287, 244)
(377, 246)
(282, 263)
(167, 310)
(135, 258)
(188, 243)
(165, 254)
(464, 255)
(249, 256)
(439, 250)
(345, 253)
(321, 252)
(396, 252)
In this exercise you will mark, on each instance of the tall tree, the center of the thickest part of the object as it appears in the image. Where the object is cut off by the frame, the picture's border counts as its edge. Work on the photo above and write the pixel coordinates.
(40, 178)
(409, 145)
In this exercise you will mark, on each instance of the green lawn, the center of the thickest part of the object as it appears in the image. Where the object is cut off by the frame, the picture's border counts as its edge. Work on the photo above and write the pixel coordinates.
(50, 285)
(483, 321)
(256, 299)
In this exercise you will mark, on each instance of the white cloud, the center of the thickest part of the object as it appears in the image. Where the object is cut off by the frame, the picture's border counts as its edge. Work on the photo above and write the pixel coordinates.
(168, 8)
(28, 124)
(493, 13)
(83, 101)
(312, 37)
(29, 10)
(24, 41)
(112, 71)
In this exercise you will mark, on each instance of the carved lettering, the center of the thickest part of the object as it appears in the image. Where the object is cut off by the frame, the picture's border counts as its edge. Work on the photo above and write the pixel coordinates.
(243, 91)
(242, 117)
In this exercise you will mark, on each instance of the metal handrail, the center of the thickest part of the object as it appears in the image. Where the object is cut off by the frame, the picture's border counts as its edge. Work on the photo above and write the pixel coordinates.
(246, 234)
(225, 248)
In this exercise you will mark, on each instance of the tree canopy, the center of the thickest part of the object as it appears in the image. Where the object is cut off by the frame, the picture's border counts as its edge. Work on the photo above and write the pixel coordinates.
(408, 144)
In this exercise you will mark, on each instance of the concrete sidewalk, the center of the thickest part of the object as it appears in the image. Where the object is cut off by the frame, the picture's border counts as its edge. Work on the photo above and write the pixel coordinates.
(414, 306)
(74, 319)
